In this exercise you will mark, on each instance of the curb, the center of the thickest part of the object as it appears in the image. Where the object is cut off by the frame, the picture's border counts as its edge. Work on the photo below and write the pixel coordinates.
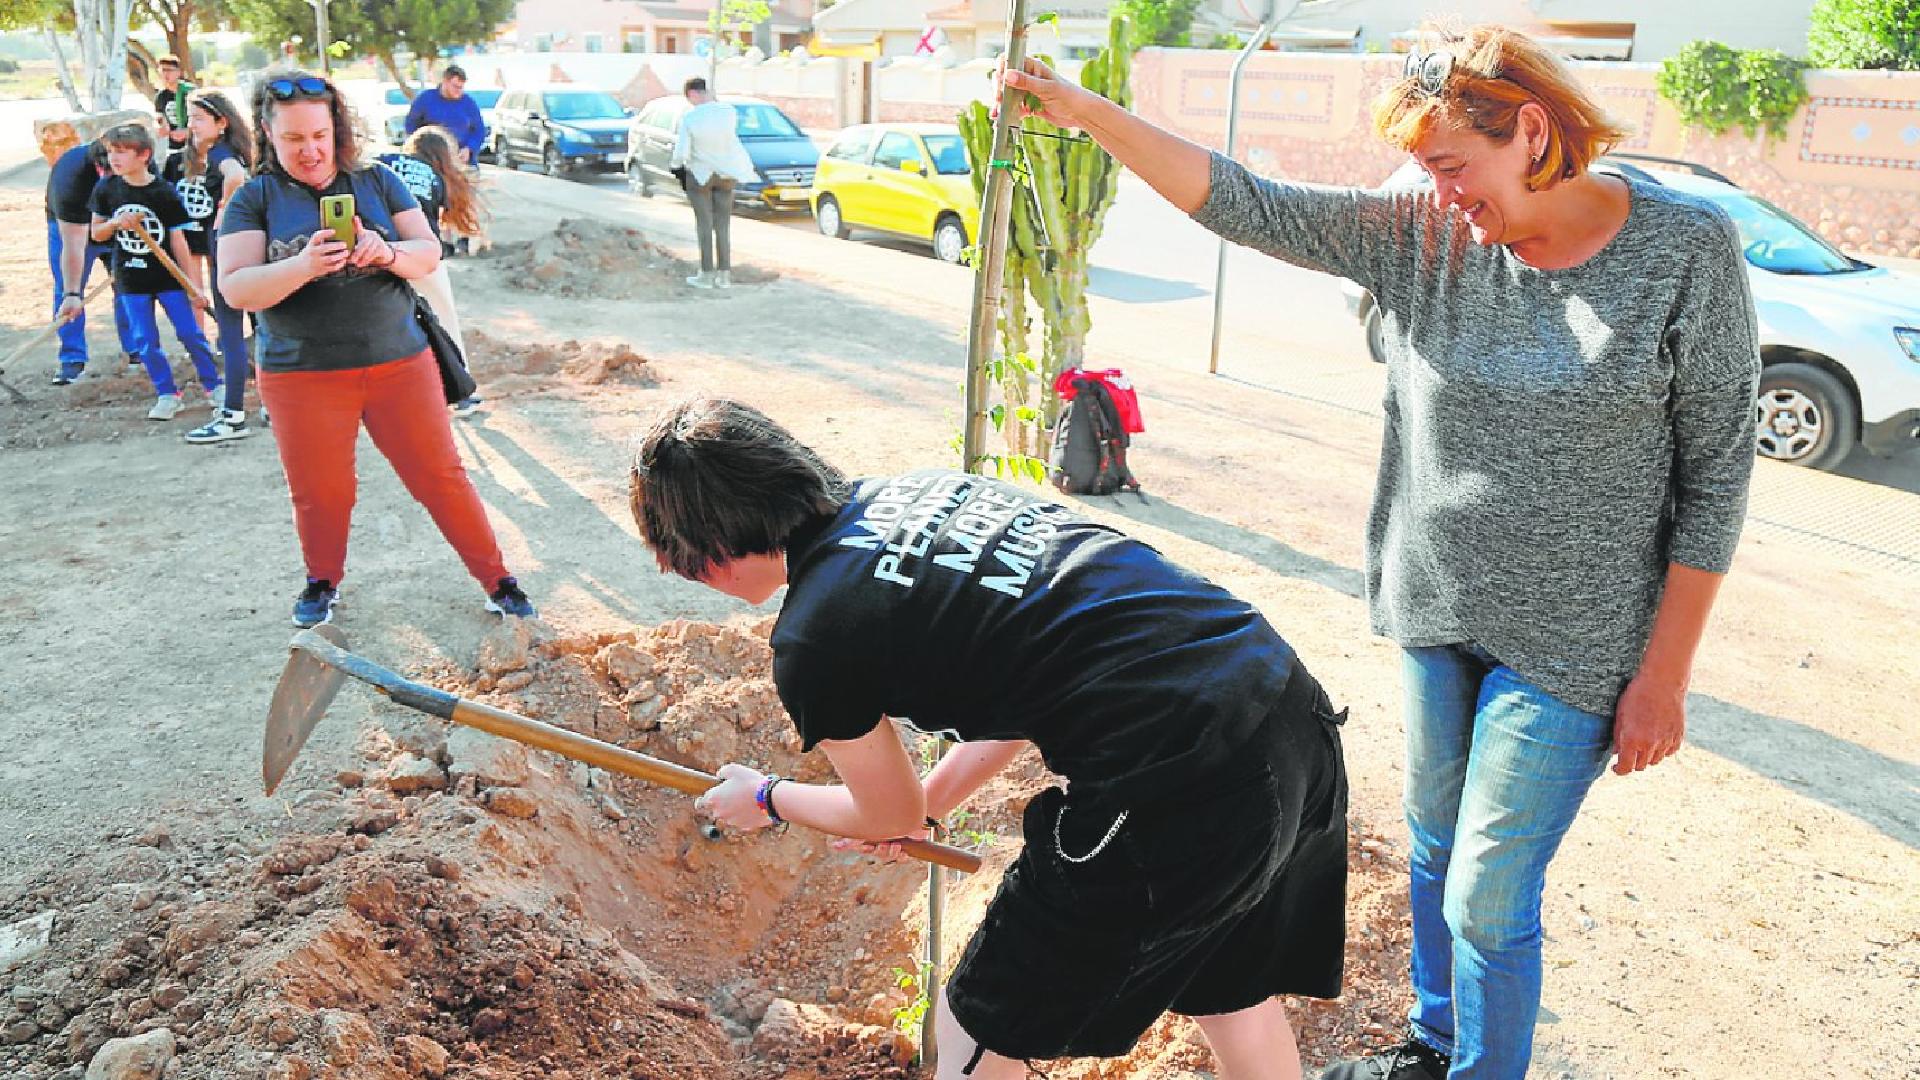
(10, 172)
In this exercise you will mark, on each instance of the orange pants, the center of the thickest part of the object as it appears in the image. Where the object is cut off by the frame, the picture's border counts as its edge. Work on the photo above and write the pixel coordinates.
(316, 420)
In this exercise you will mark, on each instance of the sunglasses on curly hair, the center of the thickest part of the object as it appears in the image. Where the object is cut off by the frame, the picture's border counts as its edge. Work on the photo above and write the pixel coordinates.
(306, 86)
(1429, 70)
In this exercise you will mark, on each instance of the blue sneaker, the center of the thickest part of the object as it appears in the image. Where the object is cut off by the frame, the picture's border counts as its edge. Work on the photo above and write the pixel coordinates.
(507, 599)
(314, 605)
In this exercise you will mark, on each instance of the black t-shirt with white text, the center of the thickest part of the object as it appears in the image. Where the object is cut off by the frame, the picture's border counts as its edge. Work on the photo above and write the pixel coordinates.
(135, 269)
(428, 189)
(978, 610)
(200, 195)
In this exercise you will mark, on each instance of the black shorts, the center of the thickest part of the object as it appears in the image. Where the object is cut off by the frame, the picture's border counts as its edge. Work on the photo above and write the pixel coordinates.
(1206, 905)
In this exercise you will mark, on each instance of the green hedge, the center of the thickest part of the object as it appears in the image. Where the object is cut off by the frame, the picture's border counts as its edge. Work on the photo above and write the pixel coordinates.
(1718, 88)
(1865, 34)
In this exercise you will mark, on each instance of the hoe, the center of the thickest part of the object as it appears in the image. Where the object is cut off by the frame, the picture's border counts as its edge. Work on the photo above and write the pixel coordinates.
(318, 663)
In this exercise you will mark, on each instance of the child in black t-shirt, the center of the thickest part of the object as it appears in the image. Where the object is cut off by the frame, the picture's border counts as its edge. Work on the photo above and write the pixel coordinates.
(1194, 858)
(428, 165)
(132, 197)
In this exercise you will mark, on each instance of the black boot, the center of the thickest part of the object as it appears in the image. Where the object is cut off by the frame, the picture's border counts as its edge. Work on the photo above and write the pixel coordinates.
(1411, 1060)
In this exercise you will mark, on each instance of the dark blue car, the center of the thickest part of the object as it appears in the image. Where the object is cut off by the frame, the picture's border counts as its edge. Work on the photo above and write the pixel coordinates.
(562, 128)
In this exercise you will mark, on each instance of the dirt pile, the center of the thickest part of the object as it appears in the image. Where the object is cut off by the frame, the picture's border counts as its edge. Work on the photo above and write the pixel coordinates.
(584, 258)
(449, 904)
(503, 368)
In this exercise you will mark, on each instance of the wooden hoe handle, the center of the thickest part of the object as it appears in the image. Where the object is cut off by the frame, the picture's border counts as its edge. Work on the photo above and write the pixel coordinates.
(618, 759)
(193, 291)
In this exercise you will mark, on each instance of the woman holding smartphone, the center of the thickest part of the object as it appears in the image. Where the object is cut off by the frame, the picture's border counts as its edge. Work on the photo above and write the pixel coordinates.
(337, 344)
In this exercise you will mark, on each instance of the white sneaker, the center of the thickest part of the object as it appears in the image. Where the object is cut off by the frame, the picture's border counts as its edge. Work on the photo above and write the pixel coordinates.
(723, 279)
(225, 427)
(165, 407)
(264, 419)
(701, 281)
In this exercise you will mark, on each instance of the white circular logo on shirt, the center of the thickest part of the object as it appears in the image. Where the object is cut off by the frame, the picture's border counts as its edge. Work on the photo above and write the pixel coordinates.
(195, 197)
(129, 240)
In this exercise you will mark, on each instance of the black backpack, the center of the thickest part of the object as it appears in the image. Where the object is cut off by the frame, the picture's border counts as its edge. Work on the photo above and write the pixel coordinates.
(1090, 445)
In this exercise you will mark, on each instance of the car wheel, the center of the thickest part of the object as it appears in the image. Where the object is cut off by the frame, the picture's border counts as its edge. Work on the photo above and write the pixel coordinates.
(551, 162)
(826, 214)
(1376, 334)
(1805, 416)
(949, 240)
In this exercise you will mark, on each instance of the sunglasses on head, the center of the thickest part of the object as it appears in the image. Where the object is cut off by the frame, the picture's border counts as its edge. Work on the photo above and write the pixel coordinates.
(306, 86)
(1429, 70)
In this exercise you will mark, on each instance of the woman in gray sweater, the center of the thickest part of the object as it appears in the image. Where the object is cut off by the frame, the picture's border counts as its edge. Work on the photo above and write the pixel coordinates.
(1571, 367)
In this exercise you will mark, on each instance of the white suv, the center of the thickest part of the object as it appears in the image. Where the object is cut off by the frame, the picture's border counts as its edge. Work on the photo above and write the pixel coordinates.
(1839, 338)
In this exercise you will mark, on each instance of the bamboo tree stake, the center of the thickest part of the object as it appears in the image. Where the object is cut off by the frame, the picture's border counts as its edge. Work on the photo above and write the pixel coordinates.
(989, 264)
(989, 284)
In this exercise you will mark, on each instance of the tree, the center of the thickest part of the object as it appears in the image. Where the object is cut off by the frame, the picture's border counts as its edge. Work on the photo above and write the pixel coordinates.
(1069, 183)
(1159, 22)
(49, 17)
(1865, 34)
(732, 17)
(102, 28)
(379, 28)
(177, 19)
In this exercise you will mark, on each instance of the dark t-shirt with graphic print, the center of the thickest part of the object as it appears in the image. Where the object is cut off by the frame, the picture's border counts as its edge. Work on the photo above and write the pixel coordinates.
(979, 610)
(199, 194)
(428, 189)
(353, 318)
(136, 270)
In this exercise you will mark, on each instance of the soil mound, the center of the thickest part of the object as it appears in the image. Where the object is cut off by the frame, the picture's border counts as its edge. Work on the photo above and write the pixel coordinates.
(450, 904)
(502, 365)
(593, 259)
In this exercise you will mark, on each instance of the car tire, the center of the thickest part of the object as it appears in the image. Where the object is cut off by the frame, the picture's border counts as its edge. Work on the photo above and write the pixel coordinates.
(826, 215)
(949, 240)
(1376, 327)
(1805, 416)
(551, 162)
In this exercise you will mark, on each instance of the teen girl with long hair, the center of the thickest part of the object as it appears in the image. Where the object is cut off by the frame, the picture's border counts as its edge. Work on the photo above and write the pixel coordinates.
(218, 157)
(429, 164)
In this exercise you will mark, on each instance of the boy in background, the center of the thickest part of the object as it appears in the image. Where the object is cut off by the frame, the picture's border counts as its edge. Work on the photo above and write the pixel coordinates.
(134, 196)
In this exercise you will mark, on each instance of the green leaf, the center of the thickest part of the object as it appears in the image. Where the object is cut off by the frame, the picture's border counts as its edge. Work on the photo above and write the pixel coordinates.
(1046, 17)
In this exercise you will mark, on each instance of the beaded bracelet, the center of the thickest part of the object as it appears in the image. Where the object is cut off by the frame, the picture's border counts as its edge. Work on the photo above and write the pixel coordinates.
(763, 798)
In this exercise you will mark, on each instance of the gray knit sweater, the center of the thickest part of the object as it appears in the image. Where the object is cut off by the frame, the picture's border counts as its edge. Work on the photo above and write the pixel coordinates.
(1554, 438)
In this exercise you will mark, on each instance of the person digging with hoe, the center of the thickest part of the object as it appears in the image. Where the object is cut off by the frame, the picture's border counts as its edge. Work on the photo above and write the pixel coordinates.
(1193, 859)
(1571, 366)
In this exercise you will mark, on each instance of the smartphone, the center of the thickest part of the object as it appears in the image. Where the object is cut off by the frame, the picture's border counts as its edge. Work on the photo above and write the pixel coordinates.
(336, 213)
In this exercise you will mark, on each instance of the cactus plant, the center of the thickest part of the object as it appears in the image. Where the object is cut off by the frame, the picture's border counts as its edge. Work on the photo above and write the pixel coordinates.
(1056, 219)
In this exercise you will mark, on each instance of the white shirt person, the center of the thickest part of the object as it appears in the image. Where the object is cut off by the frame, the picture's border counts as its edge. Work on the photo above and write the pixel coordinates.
(708, 144)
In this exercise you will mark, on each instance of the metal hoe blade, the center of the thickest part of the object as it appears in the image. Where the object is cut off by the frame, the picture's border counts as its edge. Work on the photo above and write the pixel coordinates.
(306, 688)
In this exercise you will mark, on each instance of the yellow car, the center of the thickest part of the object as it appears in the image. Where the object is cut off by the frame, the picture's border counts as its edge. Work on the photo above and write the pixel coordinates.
(906, 179)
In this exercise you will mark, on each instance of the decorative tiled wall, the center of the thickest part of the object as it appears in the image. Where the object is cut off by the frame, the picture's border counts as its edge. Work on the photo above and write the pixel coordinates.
(1849, 164)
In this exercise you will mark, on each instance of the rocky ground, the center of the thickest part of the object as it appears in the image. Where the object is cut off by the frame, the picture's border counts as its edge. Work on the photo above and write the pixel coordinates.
(418, 901)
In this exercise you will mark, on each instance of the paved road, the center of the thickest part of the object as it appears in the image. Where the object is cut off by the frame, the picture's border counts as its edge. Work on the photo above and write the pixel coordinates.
(1287, 330)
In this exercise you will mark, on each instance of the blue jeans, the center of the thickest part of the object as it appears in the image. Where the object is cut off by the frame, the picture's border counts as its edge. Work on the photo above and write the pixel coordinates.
(186, 326)
(1496, 771)
(232, 328)
(73, 335)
